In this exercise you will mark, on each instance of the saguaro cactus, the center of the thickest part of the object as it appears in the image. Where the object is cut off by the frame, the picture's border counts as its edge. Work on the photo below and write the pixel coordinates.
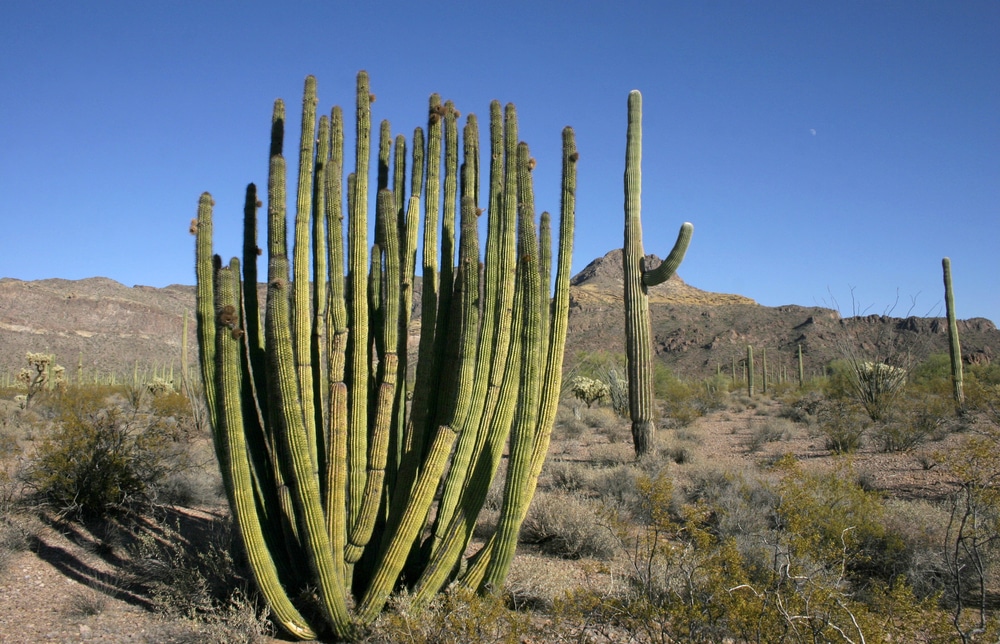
(638, 337)
(954, 347)
(802, 374)
(331, 475)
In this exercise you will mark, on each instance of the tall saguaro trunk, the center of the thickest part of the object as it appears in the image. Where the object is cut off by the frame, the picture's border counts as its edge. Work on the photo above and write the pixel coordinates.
(954, 347)
(637, 278)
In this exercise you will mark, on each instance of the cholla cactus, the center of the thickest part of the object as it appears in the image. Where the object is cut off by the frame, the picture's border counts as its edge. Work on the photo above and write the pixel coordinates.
(618, 392)
(159, 387)
(40, 373)
(588, 390)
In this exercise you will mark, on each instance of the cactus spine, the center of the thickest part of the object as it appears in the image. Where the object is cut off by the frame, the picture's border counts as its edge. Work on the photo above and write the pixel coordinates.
(330, 475)
(954, 348)
(638, 337)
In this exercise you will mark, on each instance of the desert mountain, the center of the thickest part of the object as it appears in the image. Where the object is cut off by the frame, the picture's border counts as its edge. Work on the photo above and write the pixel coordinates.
(697, 332)
(602, 281)
(108, 327)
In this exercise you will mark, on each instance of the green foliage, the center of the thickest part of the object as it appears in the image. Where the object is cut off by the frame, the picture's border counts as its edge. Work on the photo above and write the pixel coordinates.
(808, 558)
(973, 535)
(98, 458)
(684, 401)
(932, 372)
(918, 415)
(829, 517)
(843, 426)
(873, 385)
(982, 388)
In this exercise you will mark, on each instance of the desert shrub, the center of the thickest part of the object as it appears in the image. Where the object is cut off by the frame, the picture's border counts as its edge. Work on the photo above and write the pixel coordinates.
(917, 416)
(922, 527)
(569, 423)
(842, 425)
(15, 537)
(85, 602)
(833, 517)
(766, 431)
(611, 454)
(690, 581)
(600, 418)
(682, 402)
(615, 432)
(534, 583)
(189, 486)
(568, 476)
(972, 539)
(982, 389)
(802, 406)
(175, 410)
(566, 526)
(187, 579)
(678, 454)
(616, 488)
(98, 459)
(456, 617)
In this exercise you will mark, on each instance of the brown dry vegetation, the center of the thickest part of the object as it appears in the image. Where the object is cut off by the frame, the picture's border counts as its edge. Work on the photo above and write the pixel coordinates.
(675, 547)
(747, 508)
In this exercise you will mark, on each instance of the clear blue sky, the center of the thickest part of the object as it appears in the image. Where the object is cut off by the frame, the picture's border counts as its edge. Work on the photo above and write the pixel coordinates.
(816, 146)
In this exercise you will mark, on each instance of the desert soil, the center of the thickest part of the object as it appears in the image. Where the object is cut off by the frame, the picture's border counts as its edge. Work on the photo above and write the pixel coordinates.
(64, 588)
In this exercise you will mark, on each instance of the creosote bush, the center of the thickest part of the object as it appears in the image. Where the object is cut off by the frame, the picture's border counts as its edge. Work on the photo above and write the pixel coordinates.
(566, 526)
(455, 617)
(790, 556)
(99, 458)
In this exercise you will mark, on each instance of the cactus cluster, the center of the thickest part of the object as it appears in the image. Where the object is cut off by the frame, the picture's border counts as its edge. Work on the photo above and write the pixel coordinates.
(638, 338)
(351, 470)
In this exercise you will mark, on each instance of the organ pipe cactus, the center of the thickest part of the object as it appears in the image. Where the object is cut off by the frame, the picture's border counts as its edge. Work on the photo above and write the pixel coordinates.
(330, 474)
(954, 347)
(638, 278)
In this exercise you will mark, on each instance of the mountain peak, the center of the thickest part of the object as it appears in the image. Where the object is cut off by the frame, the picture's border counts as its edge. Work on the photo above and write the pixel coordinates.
(603, 280)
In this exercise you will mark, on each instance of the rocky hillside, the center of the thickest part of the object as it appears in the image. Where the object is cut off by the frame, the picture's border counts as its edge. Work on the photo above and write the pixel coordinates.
(696, 332)
(109, 327)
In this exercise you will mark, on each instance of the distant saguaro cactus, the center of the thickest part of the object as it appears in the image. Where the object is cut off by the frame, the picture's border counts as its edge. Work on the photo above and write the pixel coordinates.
(330, 474)
(954, 347)
(638, 337)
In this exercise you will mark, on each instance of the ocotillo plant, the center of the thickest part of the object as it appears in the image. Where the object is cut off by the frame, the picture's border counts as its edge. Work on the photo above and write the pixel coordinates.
(332, 477)
(954, 347)
(638, 338)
